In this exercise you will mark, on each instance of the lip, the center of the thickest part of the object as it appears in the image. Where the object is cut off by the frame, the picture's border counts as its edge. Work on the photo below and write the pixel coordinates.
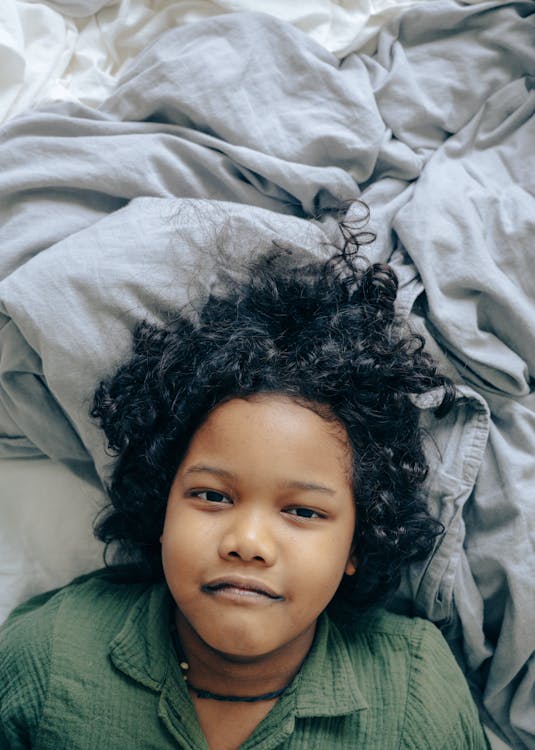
(241, 587)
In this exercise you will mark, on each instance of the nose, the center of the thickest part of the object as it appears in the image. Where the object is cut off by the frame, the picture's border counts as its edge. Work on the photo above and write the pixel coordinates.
(249, 537)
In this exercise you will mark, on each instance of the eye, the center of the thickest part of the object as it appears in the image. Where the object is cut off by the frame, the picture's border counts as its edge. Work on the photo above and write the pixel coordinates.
(305, 513)
(210, 496)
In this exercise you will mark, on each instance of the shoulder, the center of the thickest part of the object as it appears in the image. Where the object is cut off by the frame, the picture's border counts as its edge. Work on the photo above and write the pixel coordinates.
(94, 602)
(25, 643)
(432, 696)
(397, 638)
(383, 643)
(34, 620)
(389, 634)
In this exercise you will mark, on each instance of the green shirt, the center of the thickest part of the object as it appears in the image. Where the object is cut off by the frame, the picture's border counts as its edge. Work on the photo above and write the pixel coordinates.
(92, 667)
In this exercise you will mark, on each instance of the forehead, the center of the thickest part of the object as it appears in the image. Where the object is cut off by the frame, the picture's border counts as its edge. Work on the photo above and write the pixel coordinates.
(275, 432)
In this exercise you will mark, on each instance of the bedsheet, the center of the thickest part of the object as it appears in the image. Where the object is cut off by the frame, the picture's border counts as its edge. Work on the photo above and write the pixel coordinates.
(240, 130)
(77, 49)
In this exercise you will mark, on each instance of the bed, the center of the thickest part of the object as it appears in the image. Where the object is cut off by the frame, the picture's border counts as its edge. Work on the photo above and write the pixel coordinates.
(138, 135)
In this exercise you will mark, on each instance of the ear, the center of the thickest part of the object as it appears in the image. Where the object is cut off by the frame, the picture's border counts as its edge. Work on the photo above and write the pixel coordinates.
(351, 565)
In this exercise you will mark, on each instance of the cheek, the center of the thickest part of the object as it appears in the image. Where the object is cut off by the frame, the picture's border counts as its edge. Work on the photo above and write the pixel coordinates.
(184, 548)
(322, 563)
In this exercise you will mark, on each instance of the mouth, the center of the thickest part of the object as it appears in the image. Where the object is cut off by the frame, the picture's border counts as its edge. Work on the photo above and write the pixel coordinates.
(243, 588)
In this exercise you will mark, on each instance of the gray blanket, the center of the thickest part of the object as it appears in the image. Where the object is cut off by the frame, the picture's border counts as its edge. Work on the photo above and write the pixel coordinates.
(238, 131)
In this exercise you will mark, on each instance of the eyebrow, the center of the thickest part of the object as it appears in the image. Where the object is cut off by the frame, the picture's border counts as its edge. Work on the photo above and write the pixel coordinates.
(290, 484)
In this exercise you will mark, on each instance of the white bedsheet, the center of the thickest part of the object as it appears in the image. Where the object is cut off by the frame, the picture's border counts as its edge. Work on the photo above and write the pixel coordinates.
(76, 49)
(45, 533)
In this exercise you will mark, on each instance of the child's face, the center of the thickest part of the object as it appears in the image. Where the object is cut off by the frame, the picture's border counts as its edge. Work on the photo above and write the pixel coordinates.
(259, 525)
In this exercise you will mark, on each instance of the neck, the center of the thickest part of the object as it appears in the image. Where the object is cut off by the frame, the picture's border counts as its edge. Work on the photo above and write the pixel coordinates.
(231, 674)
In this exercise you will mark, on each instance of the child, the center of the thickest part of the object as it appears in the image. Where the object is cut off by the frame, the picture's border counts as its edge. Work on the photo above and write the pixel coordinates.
(270, 467)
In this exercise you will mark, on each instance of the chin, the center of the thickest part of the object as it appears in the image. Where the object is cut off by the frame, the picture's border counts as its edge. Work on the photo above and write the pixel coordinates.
(246, 651)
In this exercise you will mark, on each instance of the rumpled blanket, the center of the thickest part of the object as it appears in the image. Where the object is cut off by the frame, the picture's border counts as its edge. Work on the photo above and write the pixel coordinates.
(76, 50)
(238, 131)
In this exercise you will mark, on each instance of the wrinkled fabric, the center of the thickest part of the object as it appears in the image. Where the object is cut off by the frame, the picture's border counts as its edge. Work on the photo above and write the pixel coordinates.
(234, 132)
(76, 8)
(76, 50)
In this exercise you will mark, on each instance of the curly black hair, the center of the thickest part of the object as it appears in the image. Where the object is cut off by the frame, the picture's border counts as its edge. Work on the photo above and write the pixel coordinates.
(325, 334)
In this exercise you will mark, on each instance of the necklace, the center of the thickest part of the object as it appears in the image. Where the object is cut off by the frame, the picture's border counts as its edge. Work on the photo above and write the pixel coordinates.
(236, 698)
(200, 693)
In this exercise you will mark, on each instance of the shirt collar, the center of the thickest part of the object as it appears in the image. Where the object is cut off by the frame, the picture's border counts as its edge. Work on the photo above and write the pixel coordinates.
(325, 686)
(142, 648)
